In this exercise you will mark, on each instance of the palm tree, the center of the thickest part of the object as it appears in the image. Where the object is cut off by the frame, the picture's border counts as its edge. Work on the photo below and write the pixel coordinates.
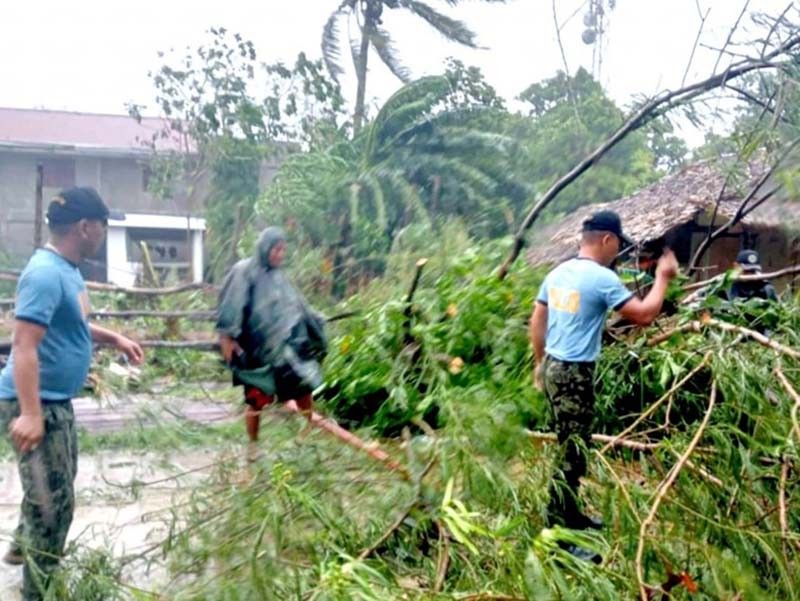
(417, 161)
(368, 14)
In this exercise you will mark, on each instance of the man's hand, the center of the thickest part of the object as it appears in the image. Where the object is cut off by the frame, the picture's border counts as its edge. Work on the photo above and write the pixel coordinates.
(667, 265)
(538, 376)
(229, 348)
(131, 349)
(27, 431)
(128, 347)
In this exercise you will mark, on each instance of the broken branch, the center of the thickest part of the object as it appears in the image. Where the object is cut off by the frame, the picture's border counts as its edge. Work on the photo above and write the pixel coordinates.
(653, 109)
(402, 517)
(604, 438)
(757, 336)
(657, 404)
(664, 488)
(792, 270)
(796, 397)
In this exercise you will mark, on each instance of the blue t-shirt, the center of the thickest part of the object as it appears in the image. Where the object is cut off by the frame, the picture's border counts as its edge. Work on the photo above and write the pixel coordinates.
(578, 294)
(52, 294)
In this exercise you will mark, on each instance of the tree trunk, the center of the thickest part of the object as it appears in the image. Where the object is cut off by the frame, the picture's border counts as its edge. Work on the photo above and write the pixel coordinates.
(361, 72)
(339, 272)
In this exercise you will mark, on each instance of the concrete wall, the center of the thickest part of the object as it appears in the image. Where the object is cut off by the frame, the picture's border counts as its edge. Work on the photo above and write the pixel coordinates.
(17, 194)
(120, 181)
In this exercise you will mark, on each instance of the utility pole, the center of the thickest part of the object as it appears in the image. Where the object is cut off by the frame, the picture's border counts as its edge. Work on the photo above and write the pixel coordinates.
(37, 220)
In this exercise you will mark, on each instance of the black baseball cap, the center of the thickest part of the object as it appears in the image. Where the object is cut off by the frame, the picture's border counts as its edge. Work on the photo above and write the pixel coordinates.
(73, 204)
(607, 221)
(749, 260)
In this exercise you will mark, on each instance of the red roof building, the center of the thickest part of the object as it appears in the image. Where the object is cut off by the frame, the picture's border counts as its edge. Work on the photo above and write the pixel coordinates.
(64, 131)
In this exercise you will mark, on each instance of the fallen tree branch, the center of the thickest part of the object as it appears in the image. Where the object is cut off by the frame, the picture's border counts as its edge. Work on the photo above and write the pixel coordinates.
(191, 345)
(420, 265)
(692, 326)
(792, 270)
(702, 472)
(782, 519)
(649, 111)
(795, 397)
(388, 532)
(208, 315)
(195, 315)
(757, 336)
(664, 488)
(622, 488)
(343, 315)
(330, 426)
(407, 312)
(13, 276)
(742, 211)
(443, 560)
(402, 517)
(603, 438)
(657, 404)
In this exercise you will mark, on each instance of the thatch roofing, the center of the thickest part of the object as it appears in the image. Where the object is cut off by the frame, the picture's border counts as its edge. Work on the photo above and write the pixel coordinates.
(676, 199)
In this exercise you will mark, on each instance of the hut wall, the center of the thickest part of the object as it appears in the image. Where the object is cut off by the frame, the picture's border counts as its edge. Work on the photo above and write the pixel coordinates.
(775, 248)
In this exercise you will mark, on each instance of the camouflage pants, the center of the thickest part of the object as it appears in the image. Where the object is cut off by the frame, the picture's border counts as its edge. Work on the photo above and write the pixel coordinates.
(569, 387)
(47, 475)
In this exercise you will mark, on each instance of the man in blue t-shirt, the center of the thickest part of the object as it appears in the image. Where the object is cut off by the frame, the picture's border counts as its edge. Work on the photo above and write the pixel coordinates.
(50, 356)
(565, 331)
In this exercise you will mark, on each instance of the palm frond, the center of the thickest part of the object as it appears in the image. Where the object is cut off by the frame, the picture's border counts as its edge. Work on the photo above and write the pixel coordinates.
(408, 105)
(450, 28)
(331, 53)
(373, 184)
(385, 48)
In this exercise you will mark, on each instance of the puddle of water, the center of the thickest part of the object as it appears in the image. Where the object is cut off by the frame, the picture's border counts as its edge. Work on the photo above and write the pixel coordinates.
(109, 514)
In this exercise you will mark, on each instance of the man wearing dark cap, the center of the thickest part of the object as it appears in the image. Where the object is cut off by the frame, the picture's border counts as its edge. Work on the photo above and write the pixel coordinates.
(748, 263)
(50, 357)
(565, 331)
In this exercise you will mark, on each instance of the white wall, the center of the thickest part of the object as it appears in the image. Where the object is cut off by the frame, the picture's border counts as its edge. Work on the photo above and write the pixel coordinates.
(122, 271)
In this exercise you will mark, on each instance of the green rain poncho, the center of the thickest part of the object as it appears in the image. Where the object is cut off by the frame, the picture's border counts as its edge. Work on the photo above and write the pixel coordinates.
(282, 337)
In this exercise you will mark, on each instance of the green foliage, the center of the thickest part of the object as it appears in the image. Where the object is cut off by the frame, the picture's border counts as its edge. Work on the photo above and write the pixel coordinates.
(226, 131)
(467, 333)
(426, 156)
(569, 117)
(297, 523)
(89, 575)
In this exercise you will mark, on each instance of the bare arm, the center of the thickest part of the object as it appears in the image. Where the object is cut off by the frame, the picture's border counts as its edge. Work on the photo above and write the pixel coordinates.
(538, 330)
(28, 429)
(131, 349)
(103, 335)
(643, 311)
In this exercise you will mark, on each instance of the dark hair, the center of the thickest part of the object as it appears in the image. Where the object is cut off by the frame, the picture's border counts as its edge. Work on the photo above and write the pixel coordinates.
(60, 229)
(592, 236)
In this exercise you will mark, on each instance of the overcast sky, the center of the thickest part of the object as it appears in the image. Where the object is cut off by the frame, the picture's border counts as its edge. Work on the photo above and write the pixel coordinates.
(94, 55)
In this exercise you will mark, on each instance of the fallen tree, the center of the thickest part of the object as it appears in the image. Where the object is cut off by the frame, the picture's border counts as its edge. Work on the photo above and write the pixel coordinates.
(697, 489)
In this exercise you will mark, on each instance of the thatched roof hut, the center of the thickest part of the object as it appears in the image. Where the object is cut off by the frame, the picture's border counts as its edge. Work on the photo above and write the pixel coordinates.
(680, 206)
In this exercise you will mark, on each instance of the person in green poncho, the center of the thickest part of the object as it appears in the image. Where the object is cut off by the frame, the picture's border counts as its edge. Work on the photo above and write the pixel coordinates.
(272, 340)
